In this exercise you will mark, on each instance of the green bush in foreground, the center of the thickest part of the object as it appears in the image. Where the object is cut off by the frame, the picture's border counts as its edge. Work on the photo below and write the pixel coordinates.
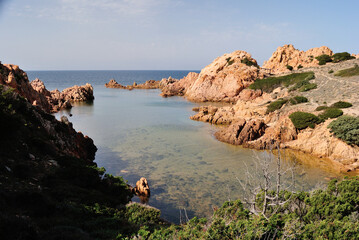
(331, 113)
(346, 128)
(270, 83)
(354, 71)
(330, 71)
(330, 213)
(300, 66)
(276, 105)
(341, 104)
(307, 87)
(323, 59)
(289, 67)
(303, 120)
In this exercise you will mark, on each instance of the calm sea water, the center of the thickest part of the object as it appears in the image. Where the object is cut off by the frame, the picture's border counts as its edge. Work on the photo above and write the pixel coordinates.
(140, 134)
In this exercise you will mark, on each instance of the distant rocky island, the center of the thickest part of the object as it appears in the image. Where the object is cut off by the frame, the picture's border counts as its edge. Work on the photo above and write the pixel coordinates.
(263, 99)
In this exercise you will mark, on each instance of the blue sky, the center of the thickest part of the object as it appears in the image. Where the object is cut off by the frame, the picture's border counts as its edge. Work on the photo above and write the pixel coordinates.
(165, 34)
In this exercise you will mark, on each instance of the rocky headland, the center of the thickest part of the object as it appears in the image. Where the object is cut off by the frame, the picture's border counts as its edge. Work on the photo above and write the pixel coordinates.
(37, 94)
(248, 121)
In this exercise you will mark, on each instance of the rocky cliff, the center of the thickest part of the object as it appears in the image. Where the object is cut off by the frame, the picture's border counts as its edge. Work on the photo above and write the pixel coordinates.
(220, 81)
(36, 92)
(288, 55)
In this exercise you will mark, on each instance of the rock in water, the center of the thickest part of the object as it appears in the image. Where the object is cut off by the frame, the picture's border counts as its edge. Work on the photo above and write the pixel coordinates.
(142, 190)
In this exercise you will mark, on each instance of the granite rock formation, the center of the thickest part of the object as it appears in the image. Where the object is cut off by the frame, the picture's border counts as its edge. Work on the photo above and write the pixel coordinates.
(220, 81)
(288, 55)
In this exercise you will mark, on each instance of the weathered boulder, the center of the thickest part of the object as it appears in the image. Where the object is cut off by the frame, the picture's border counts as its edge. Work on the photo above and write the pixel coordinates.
(288, 55)
(241, 131)
(142, 190)
(76, 93)
(150, 84)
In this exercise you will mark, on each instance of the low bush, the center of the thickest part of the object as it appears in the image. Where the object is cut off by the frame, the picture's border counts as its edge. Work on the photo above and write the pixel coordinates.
(248, 62)
(300, 66)
(276, 105)
(307, 87)
(341, 104)
(343, 56)
(331, 113)
(320, 108)
(346, 128)
(270, 83)
(330, 71)
(323, 59)
(303, 120)
(289, 67)
(298, 99)
(354, 71)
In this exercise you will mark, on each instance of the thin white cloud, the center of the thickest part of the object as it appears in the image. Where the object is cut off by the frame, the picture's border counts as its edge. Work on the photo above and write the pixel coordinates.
(84, 11)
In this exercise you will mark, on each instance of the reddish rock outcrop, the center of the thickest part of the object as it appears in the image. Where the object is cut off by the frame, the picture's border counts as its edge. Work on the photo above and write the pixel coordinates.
(37, 94)
(14, 77)
(173, 87)
(241, 131)
(142, 190)
(220, 81)
(288, 55)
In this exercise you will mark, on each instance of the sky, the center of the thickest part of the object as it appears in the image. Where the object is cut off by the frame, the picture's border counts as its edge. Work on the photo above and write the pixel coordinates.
(166, 34)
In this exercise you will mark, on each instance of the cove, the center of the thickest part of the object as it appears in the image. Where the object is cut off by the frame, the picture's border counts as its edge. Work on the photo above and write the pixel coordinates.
(140, 134)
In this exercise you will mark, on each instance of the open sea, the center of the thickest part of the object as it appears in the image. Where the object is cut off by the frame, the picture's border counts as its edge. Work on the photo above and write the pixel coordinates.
(140, 134)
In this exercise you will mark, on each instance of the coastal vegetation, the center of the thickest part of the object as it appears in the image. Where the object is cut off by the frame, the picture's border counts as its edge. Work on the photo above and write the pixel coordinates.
(248, 62)
(330, 213)
(341, 104)
(280, 102)
(349, 72)
(270, 83)
(303, 120)
(346, 128)
(330, 113)
(337, 57)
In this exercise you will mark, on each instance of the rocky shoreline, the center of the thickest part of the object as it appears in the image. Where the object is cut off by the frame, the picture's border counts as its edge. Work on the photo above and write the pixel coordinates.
(247, 121)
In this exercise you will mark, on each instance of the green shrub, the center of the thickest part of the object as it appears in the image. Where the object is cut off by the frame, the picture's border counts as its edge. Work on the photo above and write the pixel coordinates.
(298, 99)
(248, 62)
(320, 108)
(348, 72)
(341, 104)
(270, 83)
(303, 120)
(289, 67)
(343, 56)
(330, 71)
(346, 128)
(331, 113)
(323, 59)
(276, 105)
(307, 87)
(300, 66)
